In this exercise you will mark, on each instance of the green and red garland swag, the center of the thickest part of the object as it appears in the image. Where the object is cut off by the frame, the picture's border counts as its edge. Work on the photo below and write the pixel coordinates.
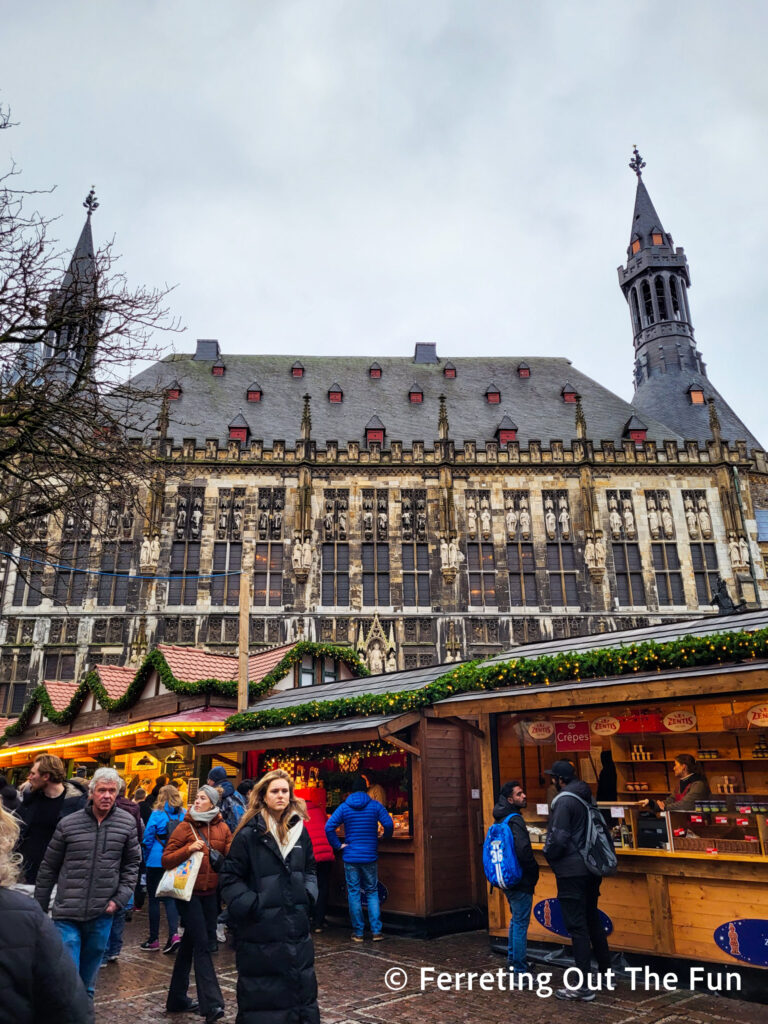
(91, 683)
(687, 652)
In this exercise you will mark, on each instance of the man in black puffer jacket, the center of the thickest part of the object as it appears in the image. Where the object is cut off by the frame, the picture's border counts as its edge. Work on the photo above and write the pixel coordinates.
(577, 888)
(512, 800)
(269, 897)
(94, 857)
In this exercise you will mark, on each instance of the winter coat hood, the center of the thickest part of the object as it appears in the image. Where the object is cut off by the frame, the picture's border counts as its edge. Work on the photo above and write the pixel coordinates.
(358, 800)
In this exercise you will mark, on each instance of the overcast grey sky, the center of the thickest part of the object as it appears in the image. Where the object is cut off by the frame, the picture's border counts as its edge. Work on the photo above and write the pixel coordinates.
(320, 176)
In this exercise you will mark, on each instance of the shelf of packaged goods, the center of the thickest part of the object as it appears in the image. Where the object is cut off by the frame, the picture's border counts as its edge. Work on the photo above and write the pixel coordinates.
(702, 760)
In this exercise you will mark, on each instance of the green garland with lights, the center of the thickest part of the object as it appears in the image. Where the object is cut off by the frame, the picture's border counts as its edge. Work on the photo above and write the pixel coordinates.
(545, 670)
(155, 661)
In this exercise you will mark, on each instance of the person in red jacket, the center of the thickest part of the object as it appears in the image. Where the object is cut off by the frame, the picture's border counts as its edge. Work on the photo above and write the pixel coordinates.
(323, 855)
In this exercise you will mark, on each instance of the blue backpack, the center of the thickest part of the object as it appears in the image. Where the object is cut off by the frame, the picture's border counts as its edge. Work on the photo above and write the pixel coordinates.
(500, 862)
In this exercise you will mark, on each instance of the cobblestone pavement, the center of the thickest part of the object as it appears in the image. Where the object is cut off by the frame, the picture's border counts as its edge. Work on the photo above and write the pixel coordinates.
(352, 989)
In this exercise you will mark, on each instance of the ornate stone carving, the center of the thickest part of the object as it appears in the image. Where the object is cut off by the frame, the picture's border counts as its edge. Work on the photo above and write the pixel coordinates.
(691, 519)
(614, 519)
(564, 519)
(705, 520)
(550, 522)
(654, 523)
(450, 558)
(667, 522)
(376, 648)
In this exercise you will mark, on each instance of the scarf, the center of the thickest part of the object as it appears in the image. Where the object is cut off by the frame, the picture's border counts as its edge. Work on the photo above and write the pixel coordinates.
(294, 832)
(203, 817)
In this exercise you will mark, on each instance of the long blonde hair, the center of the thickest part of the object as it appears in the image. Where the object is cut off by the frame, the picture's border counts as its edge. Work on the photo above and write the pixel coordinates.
(257, 803)
(168, 795)
(10, 862)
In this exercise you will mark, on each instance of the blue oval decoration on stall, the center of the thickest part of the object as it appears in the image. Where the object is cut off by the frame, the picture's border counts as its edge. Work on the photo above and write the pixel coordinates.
(745, 940)
(550, 916)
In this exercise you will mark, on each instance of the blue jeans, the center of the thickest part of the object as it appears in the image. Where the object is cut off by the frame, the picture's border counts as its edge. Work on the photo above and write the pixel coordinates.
(86, 942)
(520, 904)
(363, 877)
(115, 941)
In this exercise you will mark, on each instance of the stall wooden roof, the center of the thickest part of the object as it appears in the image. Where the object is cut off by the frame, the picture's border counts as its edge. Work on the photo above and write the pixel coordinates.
(344, 730)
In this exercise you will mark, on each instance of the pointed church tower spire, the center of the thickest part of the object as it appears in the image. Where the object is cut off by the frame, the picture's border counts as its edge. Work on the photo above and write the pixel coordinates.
(671, 382)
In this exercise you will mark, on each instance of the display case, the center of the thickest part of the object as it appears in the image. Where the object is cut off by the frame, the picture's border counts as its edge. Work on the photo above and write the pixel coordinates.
(720, 826)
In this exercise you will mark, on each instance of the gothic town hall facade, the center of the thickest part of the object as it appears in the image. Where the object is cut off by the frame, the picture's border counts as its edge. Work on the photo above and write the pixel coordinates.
(416, 508)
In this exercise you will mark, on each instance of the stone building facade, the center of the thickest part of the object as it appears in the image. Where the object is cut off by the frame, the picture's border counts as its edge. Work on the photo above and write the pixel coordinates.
(418, 509)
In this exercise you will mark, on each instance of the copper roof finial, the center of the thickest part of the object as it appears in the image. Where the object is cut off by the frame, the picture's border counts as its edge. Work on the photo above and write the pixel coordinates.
(637, 163)
(91, 202)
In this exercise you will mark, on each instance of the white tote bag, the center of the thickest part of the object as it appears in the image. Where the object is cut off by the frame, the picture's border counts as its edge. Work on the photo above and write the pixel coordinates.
(179, 882)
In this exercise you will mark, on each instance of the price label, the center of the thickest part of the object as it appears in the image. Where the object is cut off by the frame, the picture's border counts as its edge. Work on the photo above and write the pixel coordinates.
(697, 819)
(542, 809)
(721, 819)
(743, 822)
(617, 812)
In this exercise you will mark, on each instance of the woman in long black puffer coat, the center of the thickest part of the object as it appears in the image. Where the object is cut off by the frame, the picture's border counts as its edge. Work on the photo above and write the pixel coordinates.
(269, 883)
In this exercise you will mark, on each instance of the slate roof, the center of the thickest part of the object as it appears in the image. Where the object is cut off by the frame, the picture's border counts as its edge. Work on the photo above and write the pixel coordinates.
(644, 217)
(339, 728)
(190, 665)
(207, 403)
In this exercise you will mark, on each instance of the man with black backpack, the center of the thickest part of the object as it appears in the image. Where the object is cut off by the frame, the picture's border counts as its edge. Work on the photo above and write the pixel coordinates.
(509, 808)
(579, 851)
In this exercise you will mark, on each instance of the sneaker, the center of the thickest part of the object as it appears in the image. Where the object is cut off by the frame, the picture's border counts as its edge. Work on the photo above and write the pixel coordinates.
(357, 938)
(154, 946)
(172, 944)
(581, 995)
(378, 937)
(221, 933)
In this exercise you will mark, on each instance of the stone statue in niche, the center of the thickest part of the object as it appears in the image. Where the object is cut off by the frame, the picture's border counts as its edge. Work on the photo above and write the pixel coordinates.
(444, 553)
(667, 522)
(112, 521)
(277, 522)
(565, 520)
(549, 519)
(391, 662)
(237, 520)
(145, 554)
(328, 520)
(614, 519)
(296, 552)
(485, 518)
(155, 549)
(734, 551)
(421, 519)
(471, 518)
(407, 517)
(197, 518)
(525, 519)
(511, 521)
(181, 517)
(341, 518)
(654, 525)
(589, 554)
(368, 516)
(382, 523)
(454, 554)
(691, 520)
(629, 520)
(306, 554)
(705, 522)
(599, 553)
(744, 550)
(375, 659)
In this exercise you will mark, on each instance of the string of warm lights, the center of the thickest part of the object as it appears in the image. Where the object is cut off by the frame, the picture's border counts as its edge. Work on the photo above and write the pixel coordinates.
(120, 732)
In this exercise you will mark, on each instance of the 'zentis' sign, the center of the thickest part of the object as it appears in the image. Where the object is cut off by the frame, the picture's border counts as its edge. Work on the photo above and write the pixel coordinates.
(572, 736)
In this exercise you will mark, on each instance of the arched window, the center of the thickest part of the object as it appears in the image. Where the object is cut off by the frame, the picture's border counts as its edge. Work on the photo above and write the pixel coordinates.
(648, 304)
(661, 299)
(635, 312)
(675, 299)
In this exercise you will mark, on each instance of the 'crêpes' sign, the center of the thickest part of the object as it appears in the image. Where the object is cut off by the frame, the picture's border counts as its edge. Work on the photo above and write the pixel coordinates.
(679, 721)
(540, 730)
(606, 725)
(572, 736)
(757, 717)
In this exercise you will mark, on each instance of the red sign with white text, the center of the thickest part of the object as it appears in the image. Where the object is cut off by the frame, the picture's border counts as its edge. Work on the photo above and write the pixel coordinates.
(572, 736)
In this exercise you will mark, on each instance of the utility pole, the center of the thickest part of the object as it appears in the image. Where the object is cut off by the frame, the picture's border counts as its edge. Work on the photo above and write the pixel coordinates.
(242, 666)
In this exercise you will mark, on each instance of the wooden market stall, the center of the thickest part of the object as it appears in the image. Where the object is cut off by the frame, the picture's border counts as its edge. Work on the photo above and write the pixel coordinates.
(690, 884)
(428, 775)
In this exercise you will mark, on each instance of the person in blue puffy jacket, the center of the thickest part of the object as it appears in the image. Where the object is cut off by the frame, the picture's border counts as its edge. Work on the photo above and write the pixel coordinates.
(168, 812)
(360, 816)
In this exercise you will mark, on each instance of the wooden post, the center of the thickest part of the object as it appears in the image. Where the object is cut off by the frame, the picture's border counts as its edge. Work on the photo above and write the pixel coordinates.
(242, 674)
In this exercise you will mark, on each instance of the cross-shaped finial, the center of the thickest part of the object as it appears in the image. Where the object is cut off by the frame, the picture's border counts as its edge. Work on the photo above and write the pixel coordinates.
(637, 163)
(91, 202)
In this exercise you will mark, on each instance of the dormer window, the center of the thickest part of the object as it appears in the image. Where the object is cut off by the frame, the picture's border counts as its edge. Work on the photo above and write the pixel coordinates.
(239, 429)
(335, 394)
(374, 431)
(174, 391)
(416, 395)
(506, 430)
(218, 368)
(449, 370)
(635, 429)
(523, 370)
(374, 371)
(253, 394)
(635, 245)
(657, 238)
(297, 370)
(696, 395)
(570, 394)
(493, 395)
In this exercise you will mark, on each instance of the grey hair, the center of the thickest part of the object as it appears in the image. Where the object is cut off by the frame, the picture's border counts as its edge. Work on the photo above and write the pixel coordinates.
(104, 775)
